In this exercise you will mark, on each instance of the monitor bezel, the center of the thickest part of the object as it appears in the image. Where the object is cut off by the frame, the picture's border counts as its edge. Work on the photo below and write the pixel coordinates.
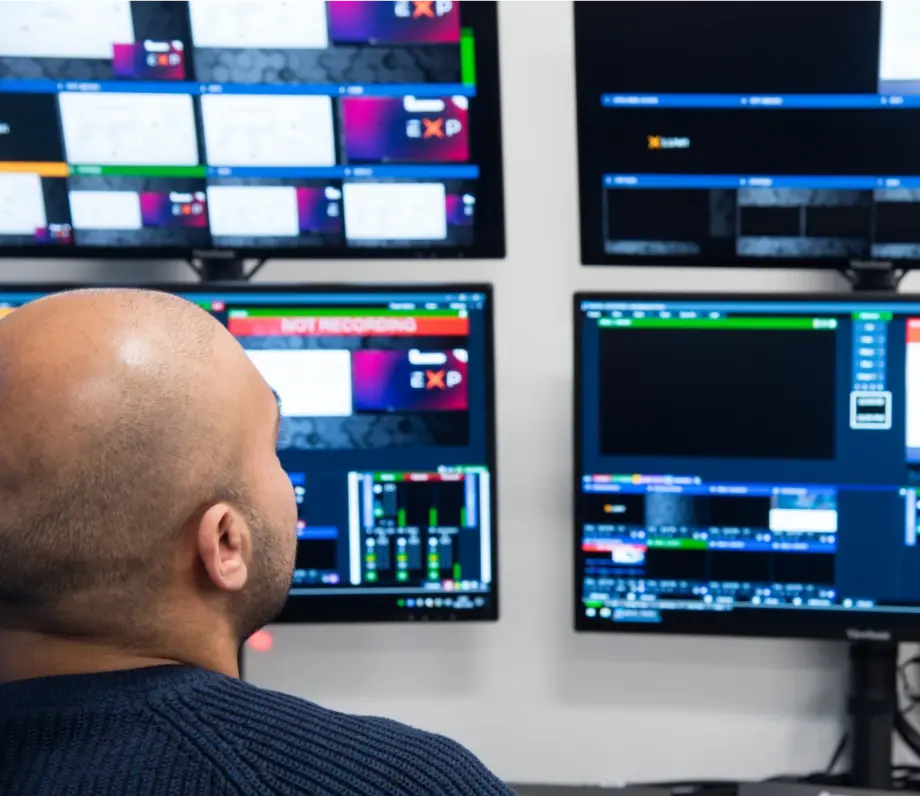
(759, 622)
(369, 608)
(489, 242)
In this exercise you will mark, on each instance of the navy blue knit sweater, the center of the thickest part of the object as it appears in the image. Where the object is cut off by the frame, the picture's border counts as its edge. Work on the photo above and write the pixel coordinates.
(179, 731)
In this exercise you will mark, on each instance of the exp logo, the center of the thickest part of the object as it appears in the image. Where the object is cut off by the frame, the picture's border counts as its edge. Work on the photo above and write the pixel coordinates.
(422, 9)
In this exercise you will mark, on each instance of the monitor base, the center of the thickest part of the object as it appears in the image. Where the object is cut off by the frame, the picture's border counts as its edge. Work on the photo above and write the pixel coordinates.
(871, 276)
(224, 269)
(873, 707)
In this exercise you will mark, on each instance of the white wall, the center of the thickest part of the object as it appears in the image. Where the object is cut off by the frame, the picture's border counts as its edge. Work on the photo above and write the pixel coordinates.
(536, 701)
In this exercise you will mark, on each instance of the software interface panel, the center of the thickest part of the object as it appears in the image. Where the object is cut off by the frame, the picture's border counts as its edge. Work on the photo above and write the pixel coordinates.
(334, 127)
(747, 464)
(386, 434)
(791, 139)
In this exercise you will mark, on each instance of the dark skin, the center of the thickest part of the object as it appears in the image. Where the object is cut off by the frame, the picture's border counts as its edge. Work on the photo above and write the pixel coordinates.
(72, 368)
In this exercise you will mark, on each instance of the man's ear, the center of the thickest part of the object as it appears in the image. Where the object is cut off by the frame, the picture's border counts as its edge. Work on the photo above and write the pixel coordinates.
(225, 546)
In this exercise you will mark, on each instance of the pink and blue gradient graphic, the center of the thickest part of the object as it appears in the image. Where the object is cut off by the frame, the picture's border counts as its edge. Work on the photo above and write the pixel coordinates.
(184, 210)
(319, 210)
(406, 129)
(375, 22)
(460, 210)
(55, 234)
(389, 381)
(149, 60)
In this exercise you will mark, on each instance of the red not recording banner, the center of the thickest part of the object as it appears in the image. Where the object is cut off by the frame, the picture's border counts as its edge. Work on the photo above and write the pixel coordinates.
(913, 330)
(349, 326)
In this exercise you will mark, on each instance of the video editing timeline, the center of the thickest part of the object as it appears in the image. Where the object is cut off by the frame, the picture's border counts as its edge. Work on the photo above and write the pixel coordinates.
(338, 127)
(737, 156)
(386, 399)
(761, 475)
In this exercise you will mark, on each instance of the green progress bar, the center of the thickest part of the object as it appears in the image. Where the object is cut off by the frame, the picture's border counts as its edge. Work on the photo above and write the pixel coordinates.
(678, 544)
(139, 171)
(467, 57)
(719, 323)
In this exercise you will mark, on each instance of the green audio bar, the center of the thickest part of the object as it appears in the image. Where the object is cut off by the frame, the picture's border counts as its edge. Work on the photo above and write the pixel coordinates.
(678, 544)
(139, 171)
(433, 517)
(401, 518)
(467, 57)
(719, 323)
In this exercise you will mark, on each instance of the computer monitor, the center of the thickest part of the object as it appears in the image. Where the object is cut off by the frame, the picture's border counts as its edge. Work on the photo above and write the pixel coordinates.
(388, 436)
(289, 129)
(748, 465)
(754, 134)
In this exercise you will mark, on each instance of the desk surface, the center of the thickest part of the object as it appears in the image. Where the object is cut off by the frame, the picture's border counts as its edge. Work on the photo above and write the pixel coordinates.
(561, 790)
(575, 790)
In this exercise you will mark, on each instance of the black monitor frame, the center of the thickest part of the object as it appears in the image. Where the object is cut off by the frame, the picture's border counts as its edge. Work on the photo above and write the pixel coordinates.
(853, 626)
(360, 608)
(589, 180)
(486, 152)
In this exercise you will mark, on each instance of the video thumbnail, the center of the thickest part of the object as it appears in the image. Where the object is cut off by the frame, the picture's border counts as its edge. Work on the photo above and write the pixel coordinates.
(394, 23)
(406, 129)
(409, 381)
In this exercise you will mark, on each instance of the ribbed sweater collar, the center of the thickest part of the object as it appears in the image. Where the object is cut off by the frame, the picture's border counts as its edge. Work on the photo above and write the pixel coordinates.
(69, 689)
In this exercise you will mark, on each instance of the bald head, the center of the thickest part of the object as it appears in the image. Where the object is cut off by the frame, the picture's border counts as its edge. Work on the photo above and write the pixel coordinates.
(123, 416)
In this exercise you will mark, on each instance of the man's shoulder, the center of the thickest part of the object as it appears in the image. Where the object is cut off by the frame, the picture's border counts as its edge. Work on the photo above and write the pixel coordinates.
(375, 753)
(375, 730)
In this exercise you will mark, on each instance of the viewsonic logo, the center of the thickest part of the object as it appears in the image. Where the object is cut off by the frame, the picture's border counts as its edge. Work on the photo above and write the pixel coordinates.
(854, 634)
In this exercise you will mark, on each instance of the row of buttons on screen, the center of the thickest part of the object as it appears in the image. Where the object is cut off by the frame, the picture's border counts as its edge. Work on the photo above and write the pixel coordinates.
(441, 602)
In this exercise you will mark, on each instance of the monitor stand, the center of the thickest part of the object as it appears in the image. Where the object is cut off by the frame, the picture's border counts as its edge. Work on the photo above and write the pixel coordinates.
(223, 269)
(871, 276)
(873, 706)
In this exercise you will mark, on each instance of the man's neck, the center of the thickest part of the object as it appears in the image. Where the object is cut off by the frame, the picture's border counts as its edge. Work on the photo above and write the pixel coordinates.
(25, 655)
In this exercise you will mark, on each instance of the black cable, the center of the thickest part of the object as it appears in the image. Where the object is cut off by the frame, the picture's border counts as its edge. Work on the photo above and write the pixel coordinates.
(838, 754)
(907, 732)
(256, 268)
(902, 724)
(904, 777)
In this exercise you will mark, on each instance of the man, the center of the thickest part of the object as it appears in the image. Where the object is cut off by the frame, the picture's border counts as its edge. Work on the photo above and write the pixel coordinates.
(146, 530)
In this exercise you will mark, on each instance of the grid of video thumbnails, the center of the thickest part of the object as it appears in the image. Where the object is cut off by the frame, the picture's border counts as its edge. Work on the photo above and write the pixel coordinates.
(749, 157)
(333, 125)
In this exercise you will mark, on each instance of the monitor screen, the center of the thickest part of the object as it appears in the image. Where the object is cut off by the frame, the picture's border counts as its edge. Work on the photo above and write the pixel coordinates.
(737, 133)
(747, 464)
(387, 434)
(307, 129)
